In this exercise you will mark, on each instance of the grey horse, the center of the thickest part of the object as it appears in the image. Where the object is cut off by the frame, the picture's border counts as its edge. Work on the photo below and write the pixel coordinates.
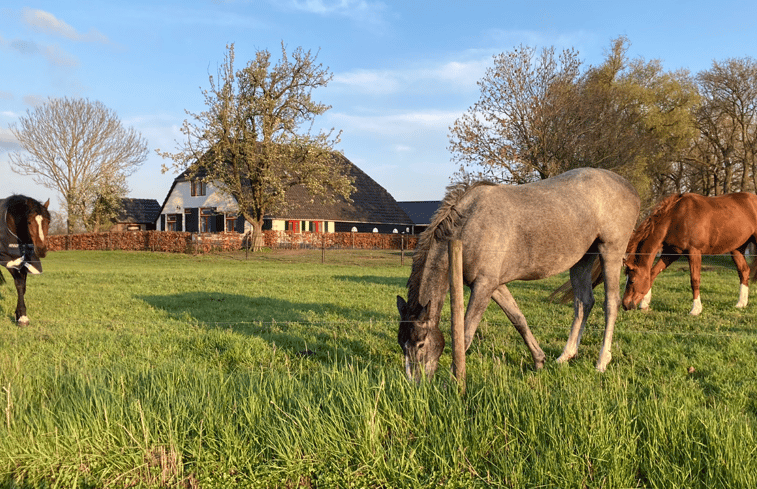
(523, 232)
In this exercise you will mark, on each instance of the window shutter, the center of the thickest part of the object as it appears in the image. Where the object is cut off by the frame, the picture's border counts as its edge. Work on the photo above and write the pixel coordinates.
(193, 220)
(162, 222)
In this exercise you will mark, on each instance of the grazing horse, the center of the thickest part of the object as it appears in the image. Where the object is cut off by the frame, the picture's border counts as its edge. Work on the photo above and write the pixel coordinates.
(691, 225)
(523, 232)
(23, 227)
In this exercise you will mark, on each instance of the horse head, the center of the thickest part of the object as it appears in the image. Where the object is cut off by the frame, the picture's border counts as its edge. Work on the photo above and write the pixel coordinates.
(29, 221)
(421, 341)
(638, 284)
(38, 223)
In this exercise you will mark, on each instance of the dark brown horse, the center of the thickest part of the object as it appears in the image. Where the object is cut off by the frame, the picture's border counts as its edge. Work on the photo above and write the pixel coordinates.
(691, 225)
(523, 232)
(23, 226)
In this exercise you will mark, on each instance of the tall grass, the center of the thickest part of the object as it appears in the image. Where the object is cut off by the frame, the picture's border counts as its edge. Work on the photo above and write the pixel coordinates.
(152, 370)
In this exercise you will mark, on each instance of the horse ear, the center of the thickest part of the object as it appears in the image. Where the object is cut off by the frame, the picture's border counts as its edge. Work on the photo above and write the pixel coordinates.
(46, 204)
(401, 305)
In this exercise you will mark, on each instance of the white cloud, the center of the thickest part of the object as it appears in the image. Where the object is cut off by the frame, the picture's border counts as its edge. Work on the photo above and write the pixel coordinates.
(407, 123)
(454, 76)
(34, 100)
(369, 13)
(52, 53)
(49, 24)
(8, 141)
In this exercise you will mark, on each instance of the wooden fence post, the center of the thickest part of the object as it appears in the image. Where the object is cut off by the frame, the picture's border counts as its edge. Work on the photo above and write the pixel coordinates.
(457, 305)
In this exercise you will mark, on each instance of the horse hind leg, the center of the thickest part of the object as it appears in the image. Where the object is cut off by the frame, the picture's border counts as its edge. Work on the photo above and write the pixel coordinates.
(583, 302)
(506, 302)
(695, 270)
(744, 271)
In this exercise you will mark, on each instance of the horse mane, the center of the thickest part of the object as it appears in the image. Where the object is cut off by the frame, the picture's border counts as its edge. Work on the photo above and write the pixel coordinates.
(444, 225)
(644, 230)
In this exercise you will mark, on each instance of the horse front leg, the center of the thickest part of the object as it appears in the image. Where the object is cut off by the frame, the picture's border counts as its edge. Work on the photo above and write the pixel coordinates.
(611, 266)
(506, 302)
(743, 268)
(695, 270)
(19, 277)
(668, 257)
(481, 294)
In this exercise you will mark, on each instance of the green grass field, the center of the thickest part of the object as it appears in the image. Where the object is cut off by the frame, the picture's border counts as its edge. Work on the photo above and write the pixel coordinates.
(158, 370)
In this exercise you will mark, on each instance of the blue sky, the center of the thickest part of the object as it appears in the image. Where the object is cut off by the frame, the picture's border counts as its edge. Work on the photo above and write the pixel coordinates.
(403, 70)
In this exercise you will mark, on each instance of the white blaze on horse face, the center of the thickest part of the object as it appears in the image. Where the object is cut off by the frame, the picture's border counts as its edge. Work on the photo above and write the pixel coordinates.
(41, 231)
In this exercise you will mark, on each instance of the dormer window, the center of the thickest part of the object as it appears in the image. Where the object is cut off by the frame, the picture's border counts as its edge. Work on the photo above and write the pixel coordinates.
(198, 188)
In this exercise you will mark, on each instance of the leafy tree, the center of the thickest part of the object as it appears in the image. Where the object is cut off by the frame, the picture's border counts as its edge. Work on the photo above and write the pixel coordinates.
(80, 149)
(107, 205)
(540, 116)
(513, 132)
(250, 142)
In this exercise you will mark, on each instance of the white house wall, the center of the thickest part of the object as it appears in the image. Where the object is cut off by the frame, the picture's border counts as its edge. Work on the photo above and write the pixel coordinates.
(181, 198)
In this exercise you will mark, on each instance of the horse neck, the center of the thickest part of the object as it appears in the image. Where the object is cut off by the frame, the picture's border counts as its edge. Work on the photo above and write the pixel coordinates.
(649, 244)
(429, 282)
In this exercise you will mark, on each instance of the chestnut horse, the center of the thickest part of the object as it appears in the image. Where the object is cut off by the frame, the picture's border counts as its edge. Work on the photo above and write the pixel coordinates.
(519, 232)
(23, 226)
(691, 225)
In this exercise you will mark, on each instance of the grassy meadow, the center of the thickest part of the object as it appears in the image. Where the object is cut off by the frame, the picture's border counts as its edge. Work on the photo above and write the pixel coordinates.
(167, 370)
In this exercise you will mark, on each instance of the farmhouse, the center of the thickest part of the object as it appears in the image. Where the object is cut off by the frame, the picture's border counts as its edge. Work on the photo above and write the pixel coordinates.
(195, 206)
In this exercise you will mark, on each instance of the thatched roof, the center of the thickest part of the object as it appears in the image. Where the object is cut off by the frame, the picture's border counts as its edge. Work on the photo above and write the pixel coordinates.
(371, 203)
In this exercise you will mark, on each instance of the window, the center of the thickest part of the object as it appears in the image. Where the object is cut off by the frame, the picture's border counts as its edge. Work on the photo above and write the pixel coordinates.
(171, 222)
(206, 220)
(293, 226)
(231, 224)
(198, 188)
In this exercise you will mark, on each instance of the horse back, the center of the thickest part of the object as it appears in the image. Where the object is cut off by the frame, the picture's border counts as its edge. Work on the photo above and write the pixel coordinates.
(713, 225)
(537, 230)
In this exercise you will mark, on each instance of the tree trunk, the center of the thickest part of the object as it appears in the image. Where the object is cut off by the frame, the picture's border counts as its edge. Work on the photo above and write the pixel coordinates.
(256, 236)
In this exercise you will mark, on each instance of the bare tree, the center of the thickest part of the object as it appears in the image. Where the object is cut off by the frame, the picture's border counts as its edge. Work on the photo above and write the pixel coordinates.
(727, 120)
(255, 140)
(79, 149)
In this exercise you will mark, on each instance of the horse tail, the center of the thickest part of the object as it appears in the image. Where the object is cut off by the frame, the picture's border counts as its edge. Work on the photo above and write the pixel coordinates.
(564, 293)
(2, 278)
(753, 266)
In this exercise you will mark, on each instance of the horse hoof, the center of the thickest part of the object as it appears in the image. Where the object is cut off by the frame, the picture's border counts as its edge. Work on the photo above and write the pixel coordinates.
(564, 358)
(23, 321)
